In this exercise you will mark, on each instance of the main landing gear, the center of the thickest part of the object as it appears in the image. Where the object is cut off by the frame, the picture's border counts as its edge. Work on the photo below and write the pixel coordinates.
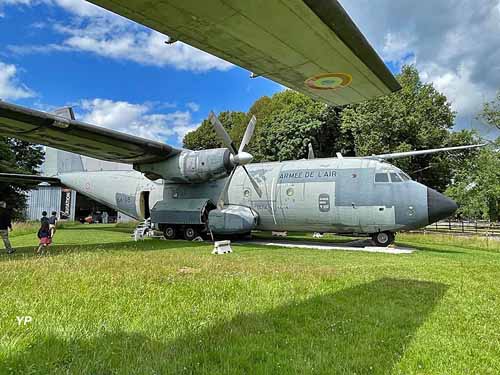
(383, 239)
(187, 232)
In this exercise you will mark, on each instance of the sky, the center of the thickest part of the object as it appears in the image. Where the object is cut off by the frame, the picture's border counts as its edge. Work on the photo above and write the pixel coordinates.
(121, 75)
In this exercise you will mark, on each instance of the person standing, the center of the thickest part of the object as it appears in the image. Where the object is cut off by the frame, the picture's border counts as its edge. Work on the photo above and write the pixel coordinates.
(53, 223)
(44, 218)
(5, 225)
(45, 239)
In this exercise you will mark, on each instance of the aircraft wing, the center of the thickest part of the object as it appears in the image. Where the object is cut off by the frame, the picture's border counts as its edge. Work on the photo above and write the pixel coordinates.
(15, 178)
(75, 136)
(398, 155)
(311, 46)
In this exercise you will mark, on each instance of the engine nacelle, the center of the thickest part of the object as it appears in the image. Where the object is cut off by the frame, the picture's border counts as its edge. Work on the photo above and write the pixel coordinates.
(232, 220)
(190, 166)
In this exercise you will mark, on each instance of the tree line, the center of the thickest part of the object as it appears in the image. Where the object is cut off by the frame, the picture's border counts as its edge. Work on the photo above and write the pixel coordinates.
(417, 117)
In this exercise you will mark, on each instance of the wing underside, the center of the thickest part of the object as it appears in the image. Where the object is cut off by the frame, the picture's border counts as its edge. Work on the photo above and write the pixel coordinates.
(24, 179)
(74, 136)
(311, 46)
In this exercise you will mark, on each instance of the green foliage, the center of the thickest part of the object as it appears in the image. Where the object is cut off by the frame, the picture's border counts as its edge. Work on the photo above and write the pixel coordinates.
(17, 157)
(204, 137)
(477, 185)
(417, 117)
(286, 123)
(491, 112)
(294, 121)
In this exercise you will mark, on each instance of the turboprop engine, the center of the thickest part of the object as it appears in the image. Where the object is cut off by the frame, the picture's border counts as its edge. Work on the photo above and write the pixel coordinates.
(206, 165)
(191, 166)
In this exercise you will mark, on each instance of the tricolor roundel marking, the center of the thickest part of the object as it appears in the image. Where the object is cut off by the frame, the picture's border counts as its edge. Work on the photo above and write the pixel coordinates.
(329, 81)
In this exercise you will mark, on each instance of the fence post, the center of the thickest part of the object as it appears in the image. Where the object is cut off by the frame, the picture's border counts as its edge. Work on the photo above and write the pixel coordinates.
(476, 225)
(449, 224)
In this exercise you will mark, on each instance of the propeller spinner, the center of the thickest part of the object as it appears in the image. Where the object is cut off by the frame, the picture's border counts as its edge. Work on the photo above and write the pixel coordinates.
(238, 158)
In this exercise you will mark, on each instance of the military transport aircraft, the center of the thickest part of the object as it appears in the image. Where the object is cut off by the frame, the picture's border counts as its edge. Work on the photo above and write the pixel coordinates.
(311, 46)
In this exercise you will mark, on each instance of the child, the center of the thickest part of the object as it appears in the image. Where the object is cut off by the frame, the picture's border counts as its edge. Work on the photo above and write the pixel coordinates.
(53, 224)
(44, 236)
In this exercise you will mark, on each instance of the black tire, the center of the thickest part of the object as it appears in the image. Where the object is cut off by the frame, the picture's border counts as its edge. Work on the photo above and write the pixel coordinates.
(170, 232)
(383, 239)
(190, 233)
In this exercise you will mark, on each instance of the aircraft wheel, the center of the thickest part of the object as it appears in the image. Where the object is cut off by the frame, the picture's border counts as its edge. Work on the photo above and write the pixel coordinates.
(190, 233)
(383, 239)
(170, 232)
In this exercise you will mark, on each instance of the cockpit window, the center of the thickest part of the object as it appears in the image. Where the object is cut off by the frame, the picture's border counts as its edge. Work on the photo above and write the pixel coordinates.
(395, 178)
(381, 177)
(404, 176)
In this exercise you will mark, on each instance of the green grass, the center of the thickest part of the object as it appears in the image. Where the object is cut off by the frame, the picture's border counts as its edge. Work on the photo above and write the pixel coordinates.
(102, 304)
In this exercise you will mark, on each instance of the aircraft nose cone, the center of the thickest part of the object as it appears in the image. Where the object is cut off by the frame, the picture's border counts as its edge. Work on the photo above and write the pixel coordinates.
(439, 206)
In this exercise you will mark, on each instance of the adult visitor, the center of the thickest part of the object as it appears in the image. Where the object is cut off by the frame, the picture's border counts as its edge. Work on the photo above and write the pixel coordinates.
(5, 226)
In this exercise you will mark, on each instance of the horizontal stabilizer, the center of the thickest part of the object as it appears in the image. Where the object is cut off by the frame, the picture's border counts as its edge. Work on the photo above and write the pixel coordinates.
(26, 179)
(398, 155)
(74, 136)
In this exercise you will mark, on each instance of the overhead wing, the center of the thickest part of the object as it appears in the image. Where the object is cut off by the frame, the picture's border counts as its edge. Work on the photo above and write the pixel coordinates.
(398, 155)
(26, 179)
(78, 137)
(311, 46)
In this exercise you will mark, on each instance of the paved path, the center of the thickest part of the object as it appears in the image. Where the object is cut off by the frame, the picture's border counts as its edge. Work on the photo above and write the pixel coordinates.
(358, 245)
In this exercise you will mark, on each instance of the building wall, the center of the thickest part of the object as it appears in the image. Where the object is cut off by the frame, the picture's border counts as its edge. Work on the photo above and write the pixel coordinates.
(45, 198)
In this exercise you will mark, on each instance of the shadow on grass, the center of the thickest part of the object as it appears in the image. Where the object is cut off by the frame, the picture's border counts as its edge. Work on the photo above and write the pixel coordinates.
(363, 329)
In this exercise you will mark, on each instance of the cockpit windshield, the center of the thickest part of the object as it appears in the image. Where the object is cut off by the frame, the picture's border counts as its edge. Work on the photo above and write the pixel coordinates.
(395, 176)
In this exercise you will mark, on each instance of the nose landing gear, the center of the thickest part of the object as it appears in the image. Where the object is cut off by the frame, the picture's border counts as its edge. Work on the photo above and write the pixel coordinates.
(383, 239)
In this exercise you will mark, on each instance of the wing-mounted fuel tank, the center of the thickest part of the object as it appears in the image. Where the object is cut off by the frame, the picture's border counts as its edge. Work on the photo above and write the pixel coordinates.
(232, 220)
(190, 166)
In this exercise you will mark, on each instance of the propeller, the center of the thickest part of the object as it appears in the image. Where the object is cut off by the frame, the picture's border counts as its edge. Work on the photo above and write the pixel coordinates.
(238, 158)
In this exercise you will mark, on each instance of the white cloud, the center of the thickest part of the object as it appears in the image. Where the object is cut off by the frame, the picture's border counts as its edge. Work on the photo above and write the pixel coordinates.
(193, 106)
(396, 47)
(454, 44)
(98, 31)
(465, 95)
(141, 120)
(10, 87)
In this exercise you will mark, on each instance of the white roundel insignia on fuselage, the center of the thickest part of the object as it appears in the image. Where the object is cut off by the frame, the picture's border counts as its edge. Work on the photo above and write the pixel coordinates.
(329, 81)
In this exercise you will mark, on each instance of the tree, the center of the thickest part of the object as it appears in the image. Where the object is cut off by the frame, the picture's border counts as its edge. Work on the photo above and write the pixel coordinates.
(491, 112)
(286, 123)
(18, 157)
(476, 185)
(204, 136)
(295, 120)
(415, 118)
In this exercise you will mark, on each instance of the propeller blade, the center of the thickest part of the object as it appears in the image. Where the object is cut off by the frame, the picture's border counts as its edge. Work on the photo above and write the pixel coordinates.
(223, 194)
(310, 154)
(248, 134)
(254, 183)
(222, 133)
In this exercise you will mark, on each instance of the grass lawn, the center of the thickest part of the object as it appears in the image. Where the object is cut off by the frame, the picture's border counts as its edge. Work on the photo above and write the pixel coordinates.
(102, 304)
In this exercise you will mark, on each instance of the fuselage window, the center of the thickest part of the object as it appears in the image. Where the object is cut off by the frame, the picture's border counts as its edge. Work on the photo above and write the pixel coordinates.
(395, 177)
(404, 176)
(381, 177)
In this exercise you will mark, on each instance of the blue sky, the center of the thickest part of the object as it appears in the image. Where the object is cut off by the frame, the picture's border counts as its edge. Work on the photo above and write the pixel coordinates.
(123, 76)
(160, 91)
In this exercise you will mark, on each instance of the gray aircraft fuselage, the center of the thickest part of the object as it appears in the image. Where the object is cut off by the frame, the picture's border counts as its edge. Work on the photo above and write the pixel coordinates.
(338, 195)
